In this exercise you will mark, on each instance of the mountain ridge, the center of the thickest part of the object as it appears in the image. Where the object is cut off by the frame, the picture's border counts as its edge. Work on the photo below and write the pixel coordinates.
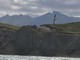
(46, 18)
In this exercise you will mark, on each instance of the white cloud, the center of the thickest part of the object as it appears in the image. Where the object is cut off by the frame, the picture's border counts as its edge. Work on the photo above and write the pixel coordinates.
(16, 1)
(38, 7)
(2, 13)
(34, 7)
(15, 7)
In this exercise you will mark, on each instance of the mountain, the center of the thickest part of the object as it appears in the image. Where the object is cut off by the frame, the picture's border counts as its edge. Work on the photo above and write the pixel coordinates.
(16, 19)
(47, 18)
(44, 19)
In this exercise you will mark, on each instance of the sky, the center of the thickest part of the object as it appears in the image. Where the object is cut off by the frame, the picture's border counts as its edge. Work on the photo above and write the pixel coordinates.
(39, 7)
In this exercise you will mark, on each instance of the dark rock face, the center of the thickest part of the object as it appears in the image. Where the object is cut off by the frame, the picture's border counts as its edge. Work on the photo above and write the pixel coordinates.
(5, 46)
(26, 40)
(32, 41)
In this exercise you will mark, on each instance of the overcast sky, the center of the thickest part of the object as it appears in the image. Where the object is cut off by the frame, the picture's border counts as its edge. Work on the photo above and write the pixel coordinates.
(39, 7)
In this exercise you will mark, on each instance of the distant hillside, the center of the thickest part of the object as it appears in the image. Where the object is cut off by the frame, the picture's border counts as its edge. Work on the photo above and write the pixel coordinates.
(69, 27)
(8, 26)
(64, 28)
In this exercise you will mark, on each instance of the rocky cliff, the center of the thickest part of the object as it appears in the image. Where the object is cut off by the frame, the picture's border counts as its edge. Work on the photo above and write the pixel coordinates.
(30, 40)
(39, 41)
(5, 41)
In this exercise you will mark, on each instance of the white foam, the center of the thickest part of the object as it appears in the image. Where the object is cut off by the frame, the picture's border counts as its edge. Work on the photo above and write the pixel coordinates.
(14, 57)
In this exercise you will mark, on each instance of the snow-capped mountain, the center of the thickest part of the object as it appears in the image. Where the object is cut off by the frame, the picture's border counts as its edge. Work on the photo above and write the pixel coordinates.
(47, 18)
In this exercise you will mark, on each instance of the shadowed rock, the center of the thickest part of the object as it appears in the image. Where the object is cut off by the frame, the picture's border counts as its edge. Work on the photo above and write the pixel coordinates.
(30, 41)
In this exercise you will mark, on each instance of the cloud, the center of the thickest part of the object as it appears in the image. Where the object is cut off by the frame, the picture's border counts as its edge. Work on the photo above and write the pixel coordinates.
(39, 7)
(69, 7)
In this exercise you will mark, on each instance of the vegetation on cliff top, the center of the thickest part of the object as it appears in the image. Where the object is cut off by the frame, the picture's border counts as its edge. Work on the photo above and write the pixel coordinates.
(8, 26)
(68, 28)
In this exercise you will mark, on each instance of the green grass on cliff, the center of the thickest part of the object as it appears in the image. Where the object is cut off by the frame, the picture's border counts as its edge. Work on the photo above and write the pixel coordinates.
(10, 27)
(69, 27)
